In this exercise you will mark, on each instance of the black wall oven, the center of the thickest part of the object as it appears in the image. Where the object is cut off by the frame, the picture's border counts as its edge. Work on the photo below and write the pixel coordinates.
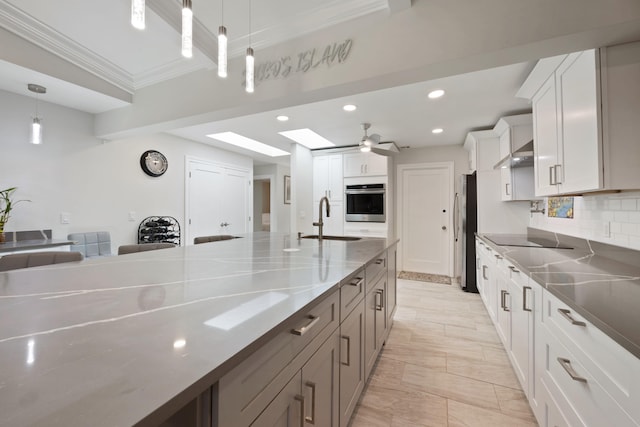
(365, 203)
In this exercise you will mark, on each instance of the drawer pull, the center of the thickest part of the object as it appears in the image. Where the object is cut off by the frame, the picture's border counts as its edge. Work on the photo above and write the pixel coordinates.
(303, 330)
(348, 362)
(379, 261)
(566, 364)
(497, 256)
(357, 281)
(567, 315)
(524, 298)
(512, 268)
(300, 398)
(312, 418)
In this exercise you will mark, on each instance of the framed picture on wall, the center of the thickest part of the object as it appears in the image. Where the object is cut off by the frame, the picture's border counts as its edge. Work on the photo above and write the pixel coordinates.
(287, 190)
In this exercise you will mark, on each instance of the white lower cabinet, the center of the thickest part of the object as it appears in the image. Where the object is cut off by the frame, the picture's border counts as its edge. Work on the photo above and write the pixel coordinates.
(571, 372)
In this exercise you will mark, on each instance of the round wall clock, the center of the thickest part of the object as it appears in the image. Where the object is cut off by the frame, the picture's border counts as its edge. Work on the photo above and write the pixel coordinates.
(153, 163)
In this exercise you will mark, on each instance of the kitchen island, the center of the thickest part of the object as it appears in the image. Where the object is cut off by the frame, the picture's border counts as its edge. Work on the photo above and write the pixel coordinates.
(130, 340)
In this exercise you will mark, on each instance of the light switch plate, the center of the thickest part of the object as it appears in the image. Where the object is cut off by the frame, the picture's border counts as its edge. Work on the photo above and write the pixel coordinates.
(65, 218)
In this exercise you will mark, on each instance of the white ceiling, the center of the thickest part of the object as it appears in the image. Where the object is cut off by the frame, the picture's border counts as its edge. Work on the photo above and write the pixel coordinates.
(104, 43)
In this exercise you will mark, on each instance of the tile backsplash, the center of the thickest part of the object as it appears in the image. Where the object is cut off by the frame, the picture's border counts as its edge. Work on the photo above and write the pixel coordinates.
(608, 218)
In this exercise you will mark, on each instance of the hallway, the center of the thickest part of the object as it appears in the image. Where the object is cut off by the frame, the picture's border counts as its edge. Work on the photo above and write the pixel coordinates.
(443, 365)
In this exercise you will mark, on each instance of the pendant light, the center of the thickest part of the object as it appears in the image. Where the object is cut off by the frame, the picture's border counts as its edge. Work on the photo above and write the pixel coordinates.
(36, 123)
(249, 60)
(187, 29)
(222, 45)
(137, 14)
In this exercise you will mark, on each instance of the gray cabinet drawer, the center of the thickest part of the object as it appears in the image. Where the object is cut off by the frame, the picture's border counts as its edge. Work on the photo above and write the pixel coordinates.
(245, 391)
(351, 293)
(375, 268)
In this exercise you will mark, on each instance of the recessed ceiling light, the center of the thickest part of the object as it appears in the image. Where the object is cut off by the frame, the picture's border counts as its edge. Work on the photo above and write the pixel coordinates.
(349, 107)
(436, 93)
(248, 143)
(437, 130)
(282, 118)
(308, 138)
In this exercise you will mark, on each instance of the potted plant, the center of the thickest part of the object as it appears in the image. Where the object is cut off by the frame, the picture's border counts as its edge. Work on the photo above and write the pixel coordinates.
(6, 205)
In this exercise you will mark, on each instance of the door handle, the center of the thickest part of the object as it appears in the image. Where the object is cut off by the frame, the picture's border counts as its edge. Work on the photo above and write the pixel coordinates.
(484, 272)
(444, 227)
(378, 305)
(300, 398)
(506, 189)
(555, 172)
(551, 172)
(348, 362)
(503, 300)
(524, 298)
(312, 418)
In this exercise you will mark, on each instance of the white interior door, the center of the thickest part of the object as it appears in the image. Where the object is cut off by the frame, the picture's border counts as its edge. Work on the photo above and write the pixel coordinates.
(425, 203)
(219, 200)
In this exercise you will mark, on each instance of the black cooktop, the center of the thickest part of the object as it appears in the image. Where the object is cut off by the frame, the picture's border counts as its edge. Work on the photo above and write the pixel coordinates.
(524, 241)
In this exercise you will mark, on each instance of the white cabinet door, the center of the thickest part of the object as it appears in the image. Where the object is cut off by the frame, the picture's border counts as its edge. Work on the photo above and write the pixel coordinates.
(503, 313)
(521, 330)
(506, 187)
(335, 183)
(327, 178)
(320, 177)
(364, 164)
(578, 86)
(545, 138)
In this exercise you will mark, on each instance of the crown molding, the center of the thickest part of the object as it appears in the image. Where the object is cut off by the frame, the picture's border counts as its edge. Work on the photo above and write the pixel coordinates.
(25, 26)
(327, 15)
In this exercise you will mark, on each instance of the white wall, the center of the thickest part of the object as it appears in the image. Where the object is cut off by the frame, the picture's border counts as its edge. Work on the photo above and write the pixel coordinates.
(620, 212)
(97, 183)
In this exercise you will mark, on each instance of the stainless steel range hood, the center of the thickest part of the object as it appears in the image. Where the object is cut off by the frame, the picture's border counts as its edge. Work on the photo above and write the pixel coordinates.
(521, 158)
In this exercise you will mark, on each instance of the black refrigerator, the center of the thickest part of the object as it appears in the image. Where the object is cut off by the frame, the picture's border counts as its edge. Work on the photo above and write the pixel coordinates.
(466, 227)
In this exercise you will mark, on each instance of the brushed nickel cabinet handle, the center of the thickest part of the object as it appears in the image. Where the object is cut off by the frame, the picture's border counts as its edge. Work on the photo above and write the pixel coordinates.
(378, 305)
(551, 171)
(348, 339)
(312, 418)
(512, 268)
(566, 364)
(357, 281)
(524, 298)
(503, 300)
(556, 174)
(484, 272)
(300, 398)
(506, 189)
(567, 315)
(497, 256)
(303, 330)
(379, 261)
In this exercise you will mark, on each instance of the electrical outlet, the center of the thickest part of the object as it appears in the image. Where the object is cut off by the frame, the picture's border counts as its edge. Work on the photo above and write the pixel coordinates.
(65, 218)
(606, 229)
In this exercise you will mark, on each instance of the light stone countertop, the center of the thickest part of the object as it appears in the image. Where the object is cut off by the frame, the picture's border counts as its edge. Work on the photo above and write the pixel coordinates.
(600, 282)
(109, 341)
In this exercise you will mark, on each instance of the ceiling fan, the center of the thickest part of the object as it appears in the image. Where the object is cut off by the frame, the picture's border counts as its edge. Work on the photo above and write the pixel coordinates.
(371, 143)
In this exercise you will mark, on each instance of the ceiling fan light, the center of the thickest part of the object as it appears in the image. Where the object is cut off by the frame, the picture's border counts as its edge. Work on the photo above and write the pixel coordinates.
(367, 142)
(187, 29)
(365, 148)
(137, 14)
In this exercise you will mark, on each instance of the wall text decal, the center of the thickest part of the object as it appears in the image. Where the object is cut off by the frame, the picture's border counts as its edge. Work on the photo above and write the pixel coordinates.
(335, 53)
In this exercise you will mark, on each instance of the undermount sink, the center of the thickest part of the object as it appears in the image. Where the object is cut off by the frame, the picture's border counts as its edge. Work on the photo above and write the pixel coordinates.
(346, 238)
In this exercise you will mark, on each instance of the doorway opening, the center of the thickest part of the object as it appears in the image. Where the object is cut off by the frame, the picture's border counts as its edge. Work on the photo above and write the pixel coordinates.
(262, 212)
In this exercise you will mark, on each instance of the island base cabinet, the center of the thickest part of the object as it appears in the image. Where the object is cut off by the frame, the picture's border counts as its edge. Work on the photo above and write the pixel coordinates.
(285, 410)
(352, 377)
(247, 390)
(375, 323)
(311, 396)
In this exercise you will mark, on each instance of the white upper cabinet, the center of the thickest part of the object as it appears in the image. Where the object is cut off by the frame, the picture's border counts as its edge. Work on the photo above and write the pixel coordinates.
(364, 164)
(585, 136)
(514, 133)
(327, 178)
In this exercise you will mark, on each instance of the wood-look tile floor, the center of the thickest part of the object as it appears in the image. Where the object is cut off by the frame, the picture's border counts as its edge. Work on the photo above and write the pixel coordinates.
(442, 365)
